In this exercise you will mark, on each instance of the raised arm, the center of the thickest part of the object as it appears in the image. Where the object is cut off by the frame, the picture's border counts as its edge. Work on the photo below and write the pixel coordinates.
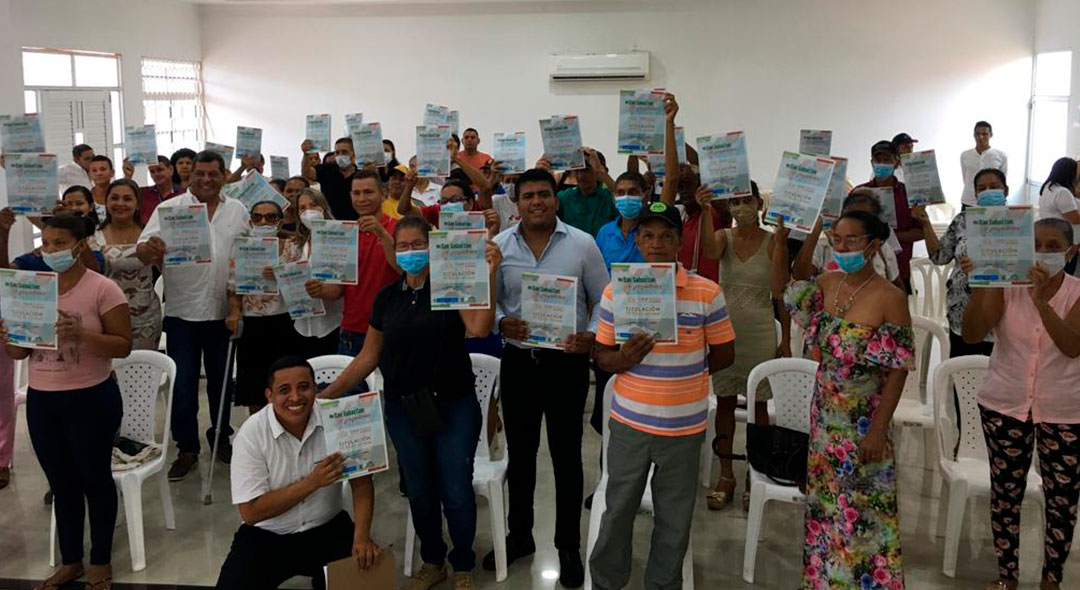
(1065, 332)
(780, 277)
(803, 266)
(601, 171)
(404, 204)
(671, 154)
(709, 246)
(306, 169)
(478, 322)
(359, 368)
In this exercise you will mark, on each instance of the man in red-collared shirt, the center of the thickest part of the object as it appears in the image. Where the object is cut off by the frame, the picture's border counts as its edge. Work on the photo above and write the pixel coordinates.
(152, 196)
(377, 266)
(908, 230)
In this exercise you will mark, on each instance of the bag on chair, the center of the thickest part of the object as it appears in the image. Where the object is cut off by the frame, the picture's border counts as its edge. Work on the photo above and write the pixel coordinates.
(778, 452)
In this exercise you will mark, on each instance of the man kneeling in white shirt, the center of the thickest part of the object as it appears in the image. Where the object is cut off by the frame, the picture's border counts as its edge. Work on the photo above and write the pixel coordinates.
(289, 492)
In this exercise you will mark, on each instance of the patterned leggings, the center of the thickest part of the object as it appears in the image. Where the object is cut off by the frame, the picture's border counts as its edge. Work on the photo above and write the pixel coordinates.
(1009, 443)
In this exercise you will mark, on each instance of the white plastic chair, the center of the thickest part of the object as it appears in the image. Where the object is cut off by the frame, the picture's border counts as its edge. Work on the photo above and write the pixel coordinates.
(328, 366)
(600, 503)
(929, 282)
(916, 407)
(792, 382)
(159, 290)
(140, 376)
(489, 477)
(968, 473)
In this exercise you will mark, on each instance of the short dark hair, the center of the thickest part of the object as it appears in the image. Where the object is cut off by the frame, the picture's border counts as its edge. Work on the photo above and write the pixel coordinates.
(279, 183)
(862, 196)
(875, 228)
(287, 362)
(465, 188)
(79, 150)
(271, 203)
(535, 175)
(79, 226)
(989, 127)
(207, 156)
(78, 188)
(131, 184)
(468, 129)
(306, 182)
(412, 222)
(176, 157)
(347, 140)
(634, 177)
(164, 161)
(1000, 176)
(365, 174)
(100, 158)
(1059, 224)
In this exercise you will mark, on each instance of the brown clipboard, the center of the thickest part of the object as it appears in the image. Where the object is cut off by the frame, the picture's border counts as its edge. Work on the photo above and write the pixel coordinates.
(345, 574)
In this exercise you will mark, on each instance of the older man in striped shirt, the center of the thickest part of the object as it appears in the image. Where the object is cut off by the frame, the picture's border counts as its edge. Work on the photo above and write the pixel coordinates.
(658, 414)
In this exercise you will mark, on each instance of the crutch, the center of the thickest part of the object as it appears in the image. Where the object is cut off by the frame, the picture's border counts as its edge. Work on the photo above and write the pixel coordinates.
(207, 492)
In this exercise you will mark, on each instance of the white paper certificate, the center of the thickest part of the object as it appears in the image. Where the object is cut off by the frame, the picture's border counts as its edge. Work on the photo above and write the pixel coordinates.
(248, 141)
(291, 280)
(656, 161)
(641, 122)
(834, 202)
(815, 142)
(335, 251)
(318, 131)
(253, 189)
(225, 151)
(140, 145)
(799, 192)
(455, 220)
(31, 183)
(643, 300)
(353, 426)
(459, 270)
(436, 115)
(28, 307)
(510, 150)
(279, 167)
(561, 138)
(453, 119)
(367, 144)
(353, 121)
(432, 156)
(725, 168)
(921, 178)
(549, 308)
(21, 134)
(1001, 244)
(185, 229)
(250, 257)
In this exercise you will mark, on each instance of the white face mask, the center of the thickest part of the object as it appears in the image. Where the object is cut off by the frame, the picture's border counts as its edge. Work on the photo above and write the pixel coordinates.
(264, 231)
(1053, 262)
(387, 156)
(310, 215)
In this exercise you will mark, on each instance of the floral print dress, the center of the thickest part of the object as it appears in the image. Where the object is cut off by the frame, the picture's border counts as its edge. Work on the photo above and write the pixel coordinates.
(852, 529)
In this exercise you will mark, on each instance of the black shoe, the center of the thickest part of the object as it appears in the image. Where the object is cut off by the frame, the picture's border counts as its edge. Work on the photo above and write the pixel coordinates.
(224, 452)
(571, 570)
(183, 465)
(588, 502)
(514, 550)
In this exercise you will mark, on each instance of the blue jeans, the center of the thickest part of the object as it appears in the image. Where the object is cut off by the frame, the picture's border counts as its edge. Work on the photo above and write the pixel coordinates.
(438, 471)
(350, 343)
(187, 341)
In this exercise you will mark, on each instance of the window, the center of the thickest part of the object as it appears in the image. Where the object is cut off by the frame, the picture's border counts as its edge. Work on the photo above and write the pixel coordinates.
(1049, 116)
(172, 102)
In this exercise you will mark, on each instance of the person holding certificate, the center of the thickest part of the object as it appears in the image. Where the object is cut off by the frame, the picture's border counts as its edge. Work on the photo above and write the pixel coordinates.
(588, 205)
(183, 161)
(289, 493)
(1028, 401)
(161, 172)
(746, 254)
(76, 172)
(539, 383)
(334, 178)
(33, 260)
(816, 255)
(885, 159)
(421, 354)
(196, 303)
(73, 404)
(658, 412)
(318, 335)
(101, 174)
(268, 330)
(859, 325)
(117, 237)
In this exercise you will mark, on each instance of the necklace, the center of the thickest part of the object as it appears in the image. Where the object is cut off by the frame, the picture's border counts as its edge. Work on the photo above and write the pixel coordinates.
(841, 310)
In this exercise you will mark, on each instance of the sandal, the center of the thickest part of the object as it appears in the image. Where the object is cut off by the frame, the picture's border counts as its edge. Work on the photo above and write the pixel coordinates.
(51, 583)
(719, 499)
(102, 584)
(1001, 585)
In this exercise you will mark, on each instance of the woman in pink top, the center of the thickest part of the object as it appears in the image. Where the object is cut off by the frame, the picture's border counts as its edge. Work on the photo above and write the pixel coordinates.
(73, 407)
(1029, 400)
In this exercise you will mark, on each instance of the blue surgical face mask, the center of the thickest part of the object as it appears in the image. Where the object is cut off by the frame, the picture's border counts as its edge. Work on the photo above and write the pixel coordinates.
(883, 171)
(629, 206)
(59, 261)
(412, 261)
(264, 231)
(993, 197)
(850, 262)
(453, 206)
(343, 161)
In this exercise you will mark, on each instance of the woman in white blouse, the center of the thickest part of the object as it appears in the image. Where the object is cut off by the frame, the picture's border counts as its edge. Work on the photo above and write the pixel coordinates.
(319, 335)
(1057, 198)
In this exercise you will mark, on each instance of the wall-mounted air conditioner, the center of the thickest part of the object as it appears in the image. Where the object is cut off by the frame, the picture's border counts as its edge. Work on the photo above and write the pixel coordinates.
(621, 65)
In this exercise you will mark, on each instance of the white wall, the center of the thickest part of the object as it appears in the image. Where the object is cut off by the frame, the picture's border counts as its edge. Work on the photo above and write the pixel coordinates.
(866, 69)
(1056, 30)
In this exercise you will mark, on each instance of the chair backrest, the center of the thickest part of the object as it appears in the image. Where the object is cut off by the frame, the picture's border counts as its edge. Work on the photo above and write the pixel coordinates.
(328, 366)
(143, 377)
(486, 369)
(927, 332)
(922, 284)
(965, 375)
(792, 383)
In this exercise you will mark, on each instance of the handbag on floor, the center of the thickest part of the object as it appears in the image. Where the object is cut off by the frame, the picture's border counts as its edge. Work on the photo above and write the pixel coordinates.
(779, 453)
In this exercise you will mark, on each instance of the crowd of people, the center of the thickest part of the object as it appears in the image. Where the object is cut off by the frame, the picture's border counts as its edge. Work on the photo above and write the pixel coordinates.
(740, 286)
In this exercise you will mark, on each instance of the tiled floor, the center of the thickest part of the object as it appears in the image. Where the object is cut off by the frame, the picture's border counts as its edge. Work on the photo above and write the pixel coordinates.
(193, 553)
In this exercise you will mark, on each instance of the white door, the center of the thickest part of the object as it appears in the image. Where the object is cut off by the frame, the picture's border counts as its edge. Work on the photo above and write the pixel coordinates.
(72, 117)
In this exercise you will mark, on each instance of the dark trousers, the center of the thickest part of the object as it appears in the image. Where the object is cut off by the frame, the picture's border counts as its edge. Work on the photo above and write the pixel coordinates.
(535, 385)
(260, 559)
(1009, 444)
(313, 346)
(438, 470)
(350, 343)
(188, 341)
(72, 433)
(596, 420)
(957, 347)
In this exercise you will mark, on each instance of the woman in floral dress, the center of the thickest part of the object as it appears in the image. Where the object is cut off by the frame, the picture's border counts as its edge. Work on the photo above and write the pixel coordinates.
(859, 327)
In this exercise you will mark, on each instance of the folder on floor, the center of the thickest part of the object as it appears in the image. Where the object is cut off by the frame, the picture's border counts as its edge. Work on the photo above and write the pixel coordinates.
(345, 574)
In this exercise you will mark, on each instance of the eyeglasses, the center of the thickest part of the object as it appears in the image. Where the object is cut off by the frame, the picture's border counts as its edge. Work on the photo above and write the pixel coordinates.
(267, 217)
(848, 242)
(414, 245)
